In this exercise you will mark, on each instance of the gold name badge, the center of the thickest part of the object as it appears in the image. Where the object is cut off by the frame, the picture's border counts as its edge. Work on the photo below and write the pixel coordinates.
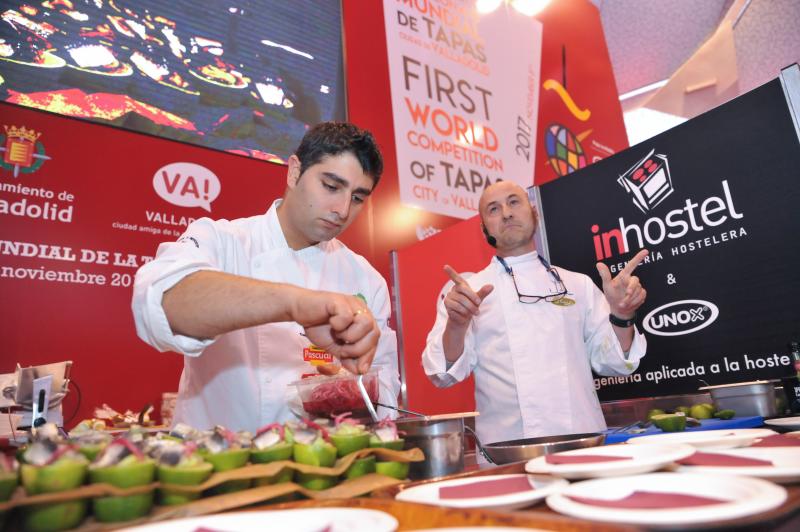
(563, 302)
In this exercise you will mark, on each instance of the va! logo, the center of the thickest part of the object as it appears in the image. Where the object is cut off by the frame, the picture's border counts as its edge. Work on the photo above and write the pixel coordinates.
(187, 185)
(648, 181)
(22, 151)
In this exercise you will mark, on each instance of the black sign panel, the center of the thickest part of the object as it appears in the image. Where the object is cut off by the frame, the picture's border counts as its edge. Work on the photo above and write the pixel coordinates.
(716, 200)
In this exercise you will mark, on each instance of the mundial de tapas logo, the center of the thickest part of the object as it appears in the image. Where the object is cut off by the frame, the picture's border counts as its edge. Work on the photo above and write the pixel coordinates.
(22, 150)
(648, 181)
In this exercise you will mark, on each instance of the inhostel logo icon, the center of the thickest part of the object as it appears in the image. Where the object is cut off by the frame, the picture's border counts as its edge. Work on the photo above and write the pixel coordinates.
(648, 181)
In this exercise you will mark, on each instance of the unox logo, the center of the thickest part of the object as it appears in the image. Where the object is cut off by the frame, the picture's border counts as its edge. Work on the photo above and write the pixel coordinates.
(681, 317)
(22, 151)
(648, 181)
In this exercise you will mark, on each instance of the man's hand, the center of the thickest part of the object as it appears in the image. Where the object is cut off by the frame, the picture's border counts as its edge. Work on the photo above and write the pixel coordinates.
(340, 324)
(624, 292)
(462, 301)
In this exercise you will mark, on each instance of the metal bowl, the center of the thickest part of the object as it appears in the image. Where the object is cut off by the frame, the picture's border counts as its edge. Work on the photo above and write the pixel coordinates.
(506, 452)
(754, 398)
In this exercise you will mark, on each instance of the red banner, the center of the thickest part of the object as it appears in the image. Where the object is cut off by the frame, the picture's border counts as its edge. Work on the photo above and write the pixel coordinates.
(420, 278)
(580, 118)
(82, 206)
(580, 122)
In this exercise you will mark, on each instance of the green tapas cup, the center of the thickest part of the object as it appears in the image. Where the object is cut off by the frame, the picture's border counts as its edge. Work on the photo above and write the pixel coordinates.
(316, 481)
(192, 475)
(226, 461)
(317, 454)
(349, 443)
(360, 467)
(274, 453)
(8, 483)
(63, 475)
(126, 507)
(398, 470)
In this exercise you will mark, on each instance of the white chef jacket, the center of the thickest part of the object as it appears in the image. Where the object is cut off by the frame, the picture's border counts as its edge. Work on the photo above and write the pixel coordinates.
(241, 379)
(533, 362)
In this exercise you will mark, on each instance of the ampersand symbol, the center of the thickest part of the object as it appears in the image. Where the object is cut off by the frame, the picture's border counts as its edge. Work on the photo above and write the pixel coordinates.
(671, 279)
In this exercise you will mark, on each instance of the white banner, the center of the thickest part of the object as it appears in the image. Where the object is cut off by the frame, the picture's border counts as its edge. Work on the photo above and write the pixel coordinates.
(465, 94)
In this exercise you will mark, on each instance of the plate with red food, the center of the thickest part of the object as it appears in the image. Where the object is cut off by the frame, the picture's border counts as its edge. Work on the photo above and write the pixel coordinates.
(496, 492)
(668, 499)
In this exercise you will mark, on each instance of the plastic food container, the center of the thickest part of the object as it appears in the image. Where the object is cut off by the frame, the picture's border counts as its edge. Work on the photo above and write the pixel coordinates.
(755, 398)
(328, 396)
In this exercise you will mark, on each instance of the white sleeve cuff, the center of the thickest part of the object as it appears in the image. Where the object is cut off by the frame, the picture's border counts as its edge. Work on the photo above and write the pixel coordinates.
(156, 330)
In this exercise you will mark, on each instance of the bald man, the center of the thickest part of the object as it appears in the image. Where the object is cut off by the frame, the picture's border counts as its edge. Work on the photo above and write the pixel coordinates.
(533, 333)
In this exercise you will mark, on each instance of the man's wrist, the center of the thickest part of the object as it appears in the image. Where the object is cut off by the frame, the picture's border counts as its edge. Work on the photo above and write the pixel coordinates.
(622, 322)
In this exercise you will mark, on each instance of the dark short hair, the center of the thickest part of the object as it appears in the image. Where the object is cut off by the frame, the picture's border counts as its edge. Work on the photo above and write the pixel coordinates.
(333, 138)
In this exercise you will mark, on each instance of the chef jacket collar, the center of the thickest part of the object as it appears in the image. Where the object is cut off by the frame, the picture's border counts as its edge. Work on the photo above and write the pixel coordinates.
(519, 259)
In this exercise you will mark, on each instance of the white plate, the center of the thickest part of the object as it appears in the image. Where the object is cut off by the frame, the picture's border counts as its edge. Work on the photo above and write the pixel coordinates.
(429, 493)
(746, 496)
(707, 439)
(298, 520)
(786, 462)
(791, 423)
(643, 459)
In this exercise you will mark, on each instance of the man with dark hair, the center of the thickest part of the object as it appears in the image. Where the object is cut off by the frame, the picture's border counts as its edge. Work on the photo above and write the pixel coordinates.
(256, 303)
(532, 333)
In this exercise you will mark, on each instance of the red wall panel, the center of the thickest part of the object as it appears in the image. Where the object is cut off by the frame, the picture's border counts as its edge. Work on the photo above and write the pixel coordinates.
(109, 173)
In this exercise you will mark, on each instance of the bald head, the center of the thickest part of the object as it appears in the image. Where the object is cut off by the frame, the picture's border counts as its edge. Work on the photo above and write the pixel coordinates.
(500, 188)
(507, 215)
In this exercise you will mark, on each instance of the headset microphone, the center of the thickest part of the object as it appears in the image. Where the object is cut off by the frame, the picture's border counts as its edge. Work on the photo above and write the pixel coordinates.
(489, 238)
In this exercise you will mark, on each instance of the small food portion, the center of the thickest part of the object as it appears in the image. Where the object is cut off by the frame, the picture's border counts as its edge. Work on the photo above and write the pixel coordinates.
(123, 464)
(179, 464)
(115, 419)
(90, 442)
(387, 436)
(273, 443)
(51, 465)
(226, 450)
(312, 447)
(348, 435)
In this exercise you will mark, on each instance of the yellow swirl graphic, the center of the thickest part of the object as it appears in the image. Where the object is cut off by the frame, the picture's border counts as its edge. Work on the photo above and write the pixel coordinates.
(581, 114)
